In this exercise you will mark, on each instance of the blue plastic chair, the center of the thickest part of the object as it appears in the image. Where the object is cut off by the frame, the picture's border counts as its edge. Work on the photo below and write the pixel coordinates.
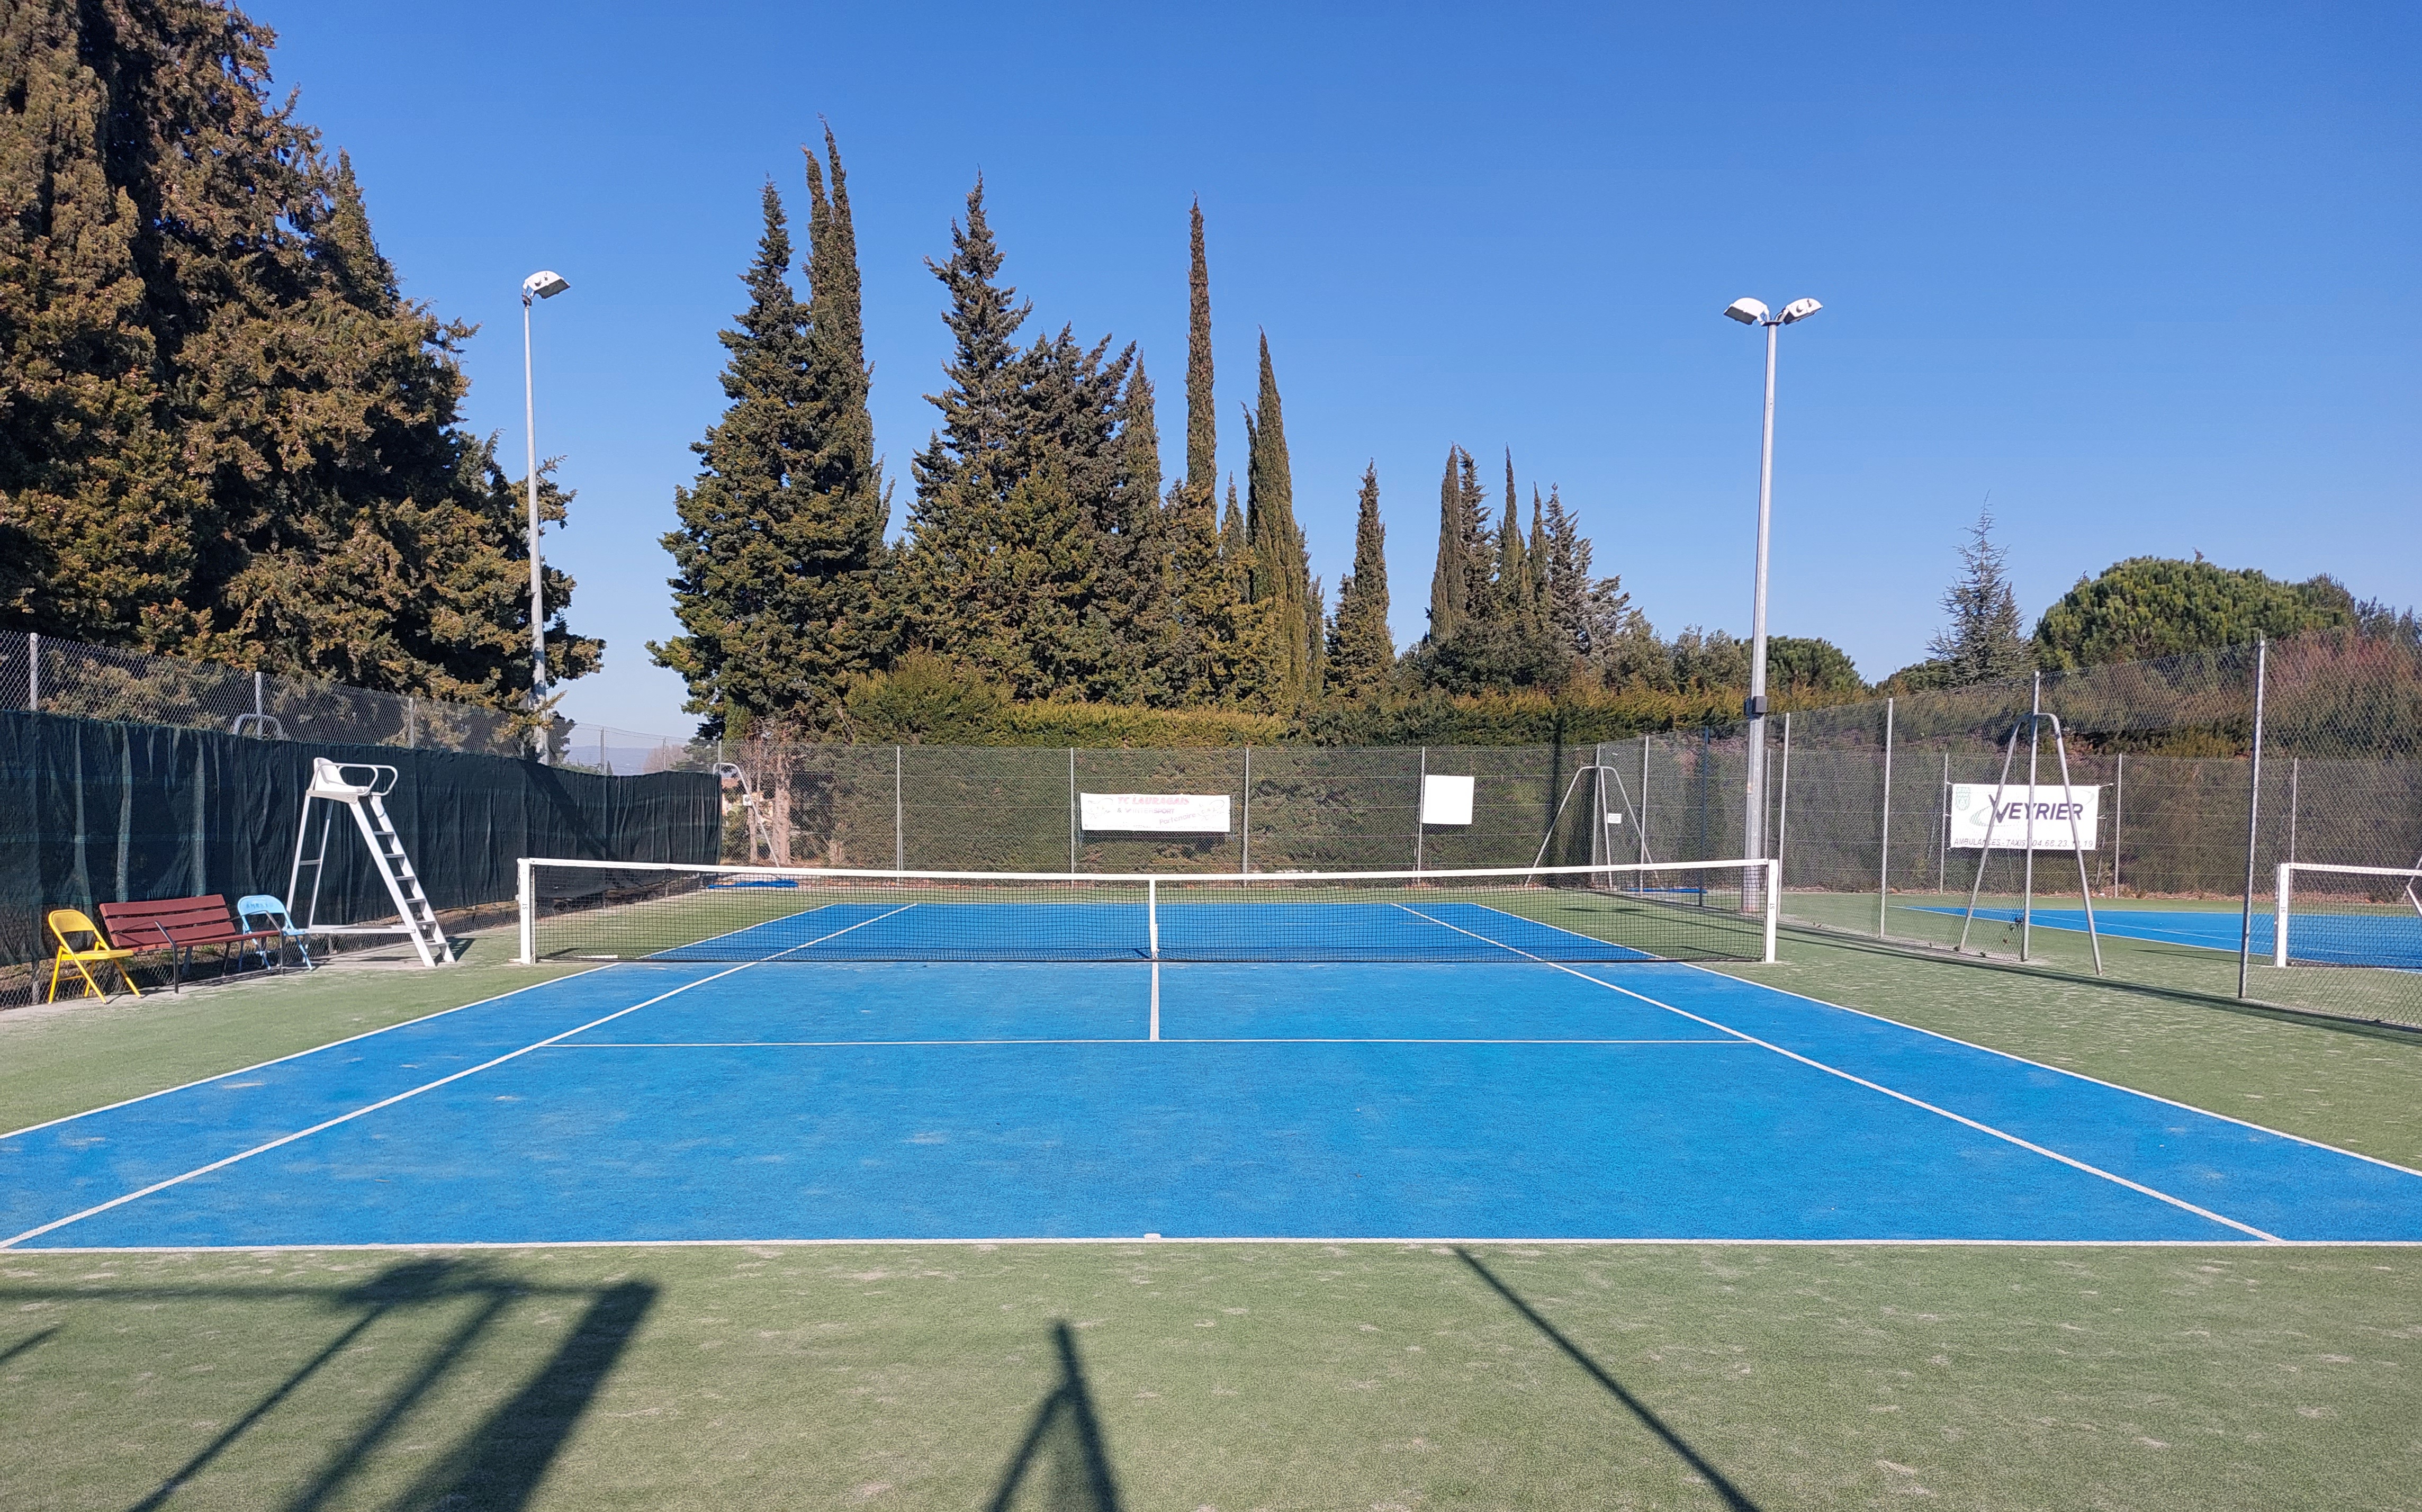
(272, 911)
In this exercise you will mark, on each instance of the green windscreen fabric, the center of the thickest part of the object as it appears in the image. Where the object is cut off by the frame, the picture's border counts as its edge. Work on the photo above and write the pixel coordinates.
(94, 811)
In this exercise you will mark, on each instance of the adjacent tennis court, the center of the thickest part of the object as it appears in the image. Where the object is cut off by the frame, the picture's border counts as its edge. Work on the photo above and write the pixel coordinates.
(2385, 939)
(788, 1096)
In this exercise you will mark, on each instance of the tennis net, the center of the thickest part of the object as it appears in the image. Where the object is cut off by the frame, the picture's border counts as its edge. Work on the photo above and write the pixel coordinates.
(608, 911)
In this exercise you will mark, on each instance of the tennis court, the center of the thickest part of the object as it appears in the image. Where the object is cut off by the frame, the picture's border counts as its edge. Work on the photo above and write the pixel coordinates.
(1496, 1092)
(2387, 941)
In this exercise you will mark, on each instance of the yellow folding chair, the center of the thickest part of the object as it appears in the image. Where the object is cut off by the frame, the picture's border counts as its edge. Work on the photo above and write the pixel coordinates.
(66, 921)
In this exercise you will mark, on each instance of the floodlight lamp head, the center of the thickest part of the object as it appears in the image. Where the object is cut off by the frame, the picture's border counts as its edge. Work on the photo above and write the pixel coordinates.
(1747, 311)
(544, 285)
(1800, 309)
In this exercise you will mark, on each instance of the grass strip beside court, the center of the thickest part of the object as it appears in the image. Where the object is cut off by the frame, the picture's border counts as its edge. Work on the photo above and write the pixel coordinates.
(1239, 1376)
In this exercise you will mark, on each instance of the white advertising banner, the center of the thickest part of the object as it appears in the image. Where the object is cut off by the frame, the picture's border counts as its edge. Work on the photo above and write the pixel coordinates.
(1167, 813)
(1446, 800)
(1972, 812)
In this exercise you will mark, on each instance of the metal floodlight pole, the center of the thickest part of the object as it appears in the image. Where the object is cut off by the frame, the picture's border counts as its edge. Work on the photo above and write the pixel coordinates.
(540, 285)
(1751, 312)
(2253, 819)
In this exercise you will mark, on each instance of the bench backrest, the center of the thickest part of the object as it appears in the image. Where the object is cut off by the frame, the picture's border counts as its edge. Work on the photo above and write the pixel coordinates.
(162, 921)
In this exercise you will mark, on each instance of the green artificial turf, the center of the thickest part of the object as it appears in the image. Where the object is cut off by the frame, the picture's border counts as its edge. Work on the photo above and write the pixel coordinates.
(1228, 1377)
(1239, 1377)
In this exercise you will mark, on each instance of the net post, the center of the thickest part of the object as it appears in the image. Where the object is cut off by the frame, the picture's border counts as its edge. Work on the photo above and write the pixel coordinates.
(2279, 917)
(1152, 913)
(526, 892)
(1773, 903)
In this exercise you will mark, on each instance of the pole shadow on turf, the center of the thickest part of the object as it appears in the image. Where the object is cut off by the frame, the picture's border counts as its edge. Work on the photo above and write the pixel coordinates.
(1734, 1497)
(1063, 1445)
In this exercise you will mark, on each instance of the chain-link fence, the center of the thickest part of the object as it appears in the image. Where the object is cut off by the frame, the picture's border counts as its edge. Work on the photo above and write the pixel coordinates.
(2179, 860)
(46, 674)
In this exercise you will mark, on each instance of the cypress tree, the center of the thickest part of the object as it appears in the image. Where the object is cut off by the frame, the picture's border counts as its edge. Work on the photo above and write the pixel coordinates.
(1280, 573)
(1447, 592)
(1191, 512)
(226, 433)
(1361, 647)
(1515, 592)
(1201, 409)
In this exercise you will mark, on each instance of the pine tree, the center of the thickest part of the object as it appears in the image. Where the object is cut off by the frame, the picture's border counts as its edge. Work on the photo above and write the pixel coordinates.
(226, 433)
(1984, 641)
(744, 556)
(1361, 649)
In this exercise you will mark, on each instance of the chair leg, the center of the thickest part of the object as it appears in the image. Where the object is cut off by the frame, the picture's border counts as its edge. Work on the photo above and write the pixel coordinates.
(127, 977)
(56, 961)
(92, 988)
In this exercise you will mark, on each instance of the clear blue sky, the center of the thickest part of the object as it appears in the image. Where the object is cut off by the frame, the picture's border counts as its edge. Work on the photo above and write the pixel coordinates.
(2142, 275)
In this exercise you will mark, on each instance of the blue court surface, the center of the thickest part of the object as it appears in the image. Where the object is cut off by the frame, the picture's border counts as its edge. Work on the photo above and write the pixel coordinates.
(2390, 940)
(888, 1100)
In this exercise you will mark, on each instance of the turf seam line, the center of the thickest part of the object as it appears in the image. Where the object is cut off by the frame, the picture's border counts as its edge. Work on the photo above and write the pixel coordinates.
(1914, 1102)
(284, 1139)
(280, 1059)
(2041, 1065)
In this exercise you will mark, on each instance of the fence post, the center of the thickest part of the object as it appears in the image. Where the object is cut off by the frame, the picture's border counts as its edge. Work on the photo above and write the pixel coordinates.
(411, 721)
(1642, 815)
(1245, 860)
(1783, 802)
(2253, 820)
(1421, 796)
(1072, 810)
(899, 818)
(2118, 818)
(34, 670)
(1883, 837)
(1942, 833)
(2294, 765)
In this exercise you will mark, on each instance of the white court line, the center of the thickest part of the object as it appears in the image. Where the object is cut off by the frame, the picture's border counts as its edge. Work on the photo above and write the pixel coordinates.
(1562, 1243)
(400, 1096)
(2040, 1065)
(280, 1059)
(1878, 1086)
(1106, 1039)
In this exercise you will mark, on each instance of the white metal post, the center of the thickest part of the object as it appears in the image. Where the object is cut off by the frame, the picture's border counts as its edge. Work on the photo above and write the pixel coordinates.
(2279, 917)
(1072, 810)
(1773, 903)
(899, 818)
(1883, 837)
(1753, 823)
(1942, 833)
(538, 581)
(2027, 899)
(1152, 913)
(525, 890)
(2253, 819)
(1641, 817)
(34, 670)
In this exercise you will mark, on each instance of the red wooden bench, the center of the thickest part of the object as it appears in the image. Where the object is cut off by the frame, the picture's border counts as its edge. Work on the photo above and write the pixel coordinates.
(179, 926)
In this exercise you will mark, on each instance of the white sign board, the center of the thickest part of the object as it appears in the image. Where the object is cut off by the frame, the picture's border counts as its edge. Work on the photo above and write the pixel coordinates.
(1168, 813)
(1972, 812)
(1446, 800)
